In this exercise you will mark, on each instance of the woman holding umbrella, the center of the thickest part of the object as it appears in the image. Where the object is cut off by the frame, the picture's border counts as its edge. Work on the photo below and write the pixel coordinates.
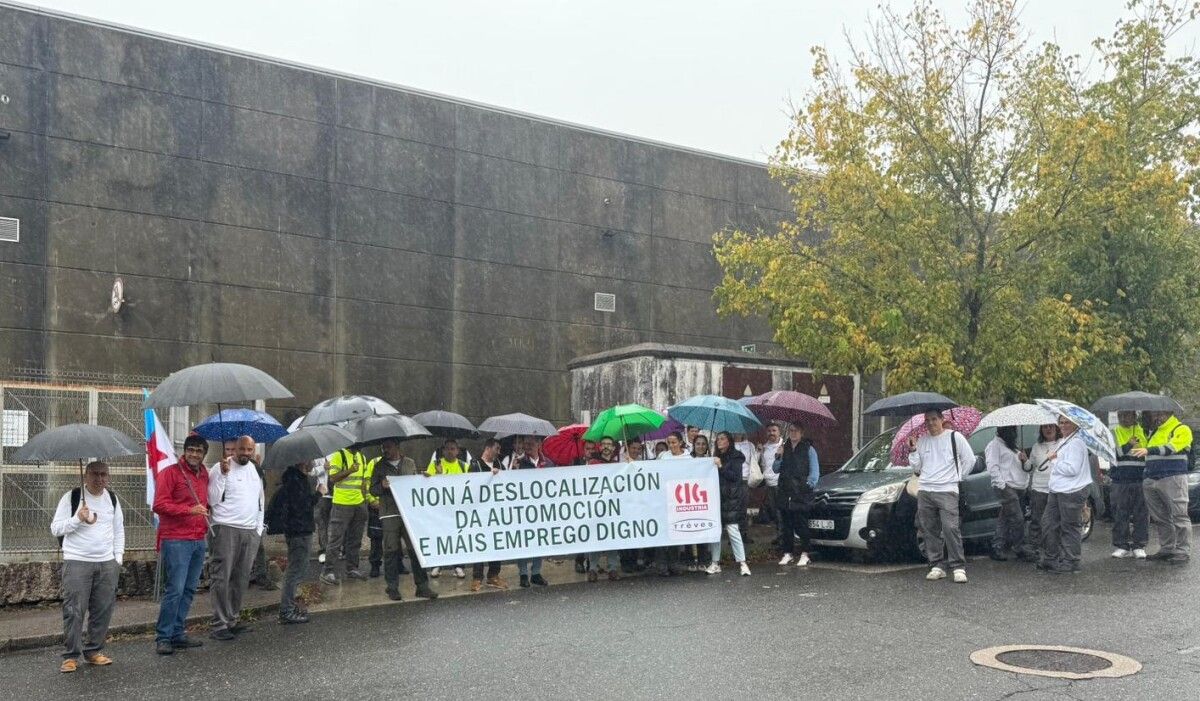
(1062, 522)
(729, 462)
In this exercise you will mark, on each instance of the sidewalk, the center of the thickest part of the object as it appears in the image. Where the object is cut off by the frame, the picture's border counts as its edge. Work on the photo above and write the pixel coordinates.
(23, 629)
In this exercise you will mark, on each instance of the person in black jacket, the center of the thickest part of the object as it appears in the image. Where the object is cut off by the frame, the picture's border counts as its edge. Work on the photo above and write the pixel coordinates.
(734, 495)
(798, 469)
(291, 513)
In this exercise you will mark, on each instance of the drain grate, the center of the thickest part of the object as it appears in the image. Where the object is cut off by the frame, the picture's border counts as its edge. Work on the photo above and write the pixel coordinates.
(1056, 661)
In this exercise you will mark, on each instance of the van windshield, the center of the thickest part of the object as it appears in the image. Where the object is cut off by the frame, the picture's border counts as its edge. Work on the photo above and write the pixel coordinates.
(874, 457)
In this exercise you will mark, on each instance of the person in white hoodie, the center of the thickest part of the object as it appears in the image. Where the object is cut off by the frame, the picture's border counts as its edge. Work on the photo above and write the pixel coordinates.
(92, 529)
(1005, 462)
(1062, 521)
(940, 460)
(235, 497)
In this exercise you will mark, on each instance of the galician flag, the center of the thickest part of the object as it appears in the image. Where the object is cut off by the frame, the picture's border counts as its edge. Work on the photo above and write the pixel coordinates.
(160, 452)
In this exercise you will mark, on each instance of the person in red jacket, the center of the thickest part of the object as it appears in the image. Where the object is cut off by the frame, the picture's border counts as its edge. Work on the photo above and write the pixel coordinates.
(181, 502)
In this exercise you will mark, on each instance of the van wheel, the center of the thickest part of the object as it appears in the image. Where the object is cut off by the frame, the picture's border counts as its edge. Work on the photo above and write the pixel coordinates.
(1089, 517)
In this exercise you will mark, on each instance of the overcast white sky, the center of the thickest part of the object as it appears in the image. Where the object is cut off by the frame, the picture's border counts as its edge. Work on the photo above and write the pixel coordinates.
(709, 74)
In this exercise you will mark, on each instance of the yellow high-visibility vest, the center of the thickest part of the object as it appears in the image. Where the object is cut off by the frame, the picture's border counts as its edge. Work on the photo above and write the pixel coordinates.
(352, 490)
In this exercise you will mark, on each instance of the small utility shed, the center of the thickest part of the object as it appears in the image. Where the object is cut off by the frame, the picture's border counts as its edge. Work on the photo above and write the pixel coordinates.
(658, 375)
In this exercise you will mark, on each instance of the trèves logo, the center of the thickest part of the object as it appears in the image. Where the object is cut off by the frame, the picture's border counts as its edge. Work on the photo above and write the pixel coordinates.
(690, 497)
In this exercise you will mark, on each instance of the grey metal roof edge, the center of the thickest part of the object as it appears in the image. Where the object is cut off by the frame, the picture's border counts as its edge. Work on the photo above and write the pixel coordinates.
(667, 350)
(59, 14)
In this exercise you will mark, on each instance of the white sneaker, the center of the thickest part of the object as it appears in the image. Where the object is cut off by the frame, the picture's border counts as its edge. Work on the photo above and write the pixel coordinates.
(960, 576)
(745, 569)
(786, 559)
(458, 572)
(803, 561)
(936, 573)
(1121, 553)
(1139, 553)
(713, 568)
(435, 571)
(321, 558)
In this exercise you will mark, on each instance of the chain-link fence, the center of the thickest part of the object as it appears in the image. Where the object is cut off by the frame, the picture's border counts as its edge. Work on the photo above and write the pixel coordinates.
(29, 494)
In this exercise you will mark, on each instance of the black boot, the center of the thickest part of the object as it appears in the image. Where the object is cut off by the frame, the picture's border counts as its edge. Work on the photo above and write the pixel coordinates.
(374, 571)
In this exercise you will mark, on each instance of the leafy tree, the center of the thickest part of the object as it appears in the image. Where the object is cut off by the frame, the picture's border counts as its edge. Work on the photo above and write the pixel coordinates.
(977, 217)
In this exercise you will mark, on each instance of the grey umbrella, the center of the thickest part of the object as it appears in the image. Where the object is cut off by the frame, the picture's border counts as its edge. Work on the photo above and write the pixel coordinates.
(447, 424)
(346, 408)
(77, 442)
(376, 429)
(307, 444)
(517, 425)
(910, 403)
(1136, 401)
(215, 383)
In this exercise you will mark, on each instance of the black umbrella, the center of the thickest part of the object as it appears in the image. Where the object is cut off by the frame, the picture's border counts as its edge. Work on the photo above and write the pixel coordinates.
(910, 403)
(77, 442)
(1136, 401)
(376, 429)
(447, 424)
(347, 408)
(517, 425)
(307, 444)
(215, 383)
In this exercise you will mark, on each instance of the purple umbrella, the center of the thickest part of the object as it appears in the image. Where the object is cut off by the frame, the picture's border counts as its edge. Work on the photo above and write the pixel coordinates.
(792, 407)
(669, 426)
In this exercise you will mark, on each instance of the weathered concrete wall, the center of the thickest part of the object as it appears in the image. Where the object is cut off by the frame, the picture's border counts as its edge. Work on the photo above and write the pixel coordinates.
(344, 236)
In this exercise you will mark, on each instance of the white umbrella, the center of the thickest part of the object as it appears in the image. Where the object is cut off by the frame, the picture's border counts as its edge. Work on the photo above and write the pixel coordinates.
(1017, 415)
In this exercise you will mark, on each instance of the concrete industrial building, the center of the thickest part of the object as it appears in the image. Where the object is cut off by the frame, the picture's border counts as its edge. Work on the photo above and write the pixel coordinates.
(342, 234)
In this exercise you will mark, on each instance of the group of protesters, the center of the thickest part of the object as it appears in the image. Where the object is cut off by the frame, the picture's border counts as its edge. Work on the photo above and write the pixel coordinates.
(219, 514)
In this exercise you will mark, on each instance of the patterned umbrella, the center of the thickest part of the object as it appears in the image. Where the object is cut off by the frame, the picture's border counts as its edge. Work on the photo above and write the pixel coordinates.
(792, 407)
(964, 419)
(229, 424)
(1017, 415)
(565, 447)
(1092, 430)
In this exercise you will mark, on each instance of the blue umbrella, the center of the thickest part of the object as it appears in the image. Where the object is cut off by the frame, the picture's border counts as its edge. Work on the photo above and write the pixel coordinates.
(229, 424)
(715, 414)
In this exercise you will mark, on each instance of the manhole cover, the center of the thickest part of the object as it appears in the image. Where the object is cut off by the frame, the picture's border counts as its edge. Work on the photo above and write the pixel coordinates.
(1056, 661)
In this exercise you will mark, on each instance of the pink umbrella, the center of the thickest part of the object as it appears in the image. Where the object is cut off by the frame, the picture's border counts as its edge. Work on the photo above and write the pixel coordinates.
(963, 419)
(792, 407)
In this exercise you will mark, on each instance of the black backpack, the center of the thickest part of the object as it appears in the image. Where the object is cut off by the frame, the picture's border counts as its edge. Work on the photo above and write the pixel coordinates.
(76, 495)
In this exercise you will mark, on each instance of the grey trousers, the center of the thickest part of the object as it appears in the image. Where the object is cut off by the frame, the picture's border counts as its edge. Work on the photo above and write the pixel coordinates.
(321, 518)
(1010, 522)
(1034, 536)
(88, 588)
(297, 566)
(394, 540)
(346, 526)
(1131, 520)
(1167, 503)
(233, 551)
(1062, 526)
(938, 515)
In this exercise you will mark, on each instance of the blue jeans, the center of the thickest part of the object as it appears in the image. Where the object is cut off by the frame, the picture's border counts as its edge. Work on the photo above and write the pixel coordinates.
(524, 566)
(182, 561)
(614, 561)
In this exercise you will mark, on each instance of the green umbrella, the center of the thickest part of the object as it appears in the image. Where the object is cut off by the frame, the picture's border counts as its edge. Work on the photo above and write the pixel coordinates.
(623, 422)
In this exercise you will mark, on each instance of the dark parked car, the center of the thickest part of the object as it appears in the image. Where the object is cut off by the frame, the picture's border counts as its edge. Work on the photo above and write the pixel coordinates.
(869, 505)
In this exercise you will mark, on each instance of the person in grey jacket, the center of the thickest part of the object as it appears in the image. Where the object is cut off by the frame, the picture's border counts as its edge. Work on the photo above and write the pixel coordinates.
(393, 463)
(940, 460)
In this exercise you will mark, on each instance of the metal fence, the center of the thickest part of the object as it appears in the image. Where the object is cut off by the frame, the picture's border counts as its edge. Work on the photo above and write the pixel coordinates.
(29, 494)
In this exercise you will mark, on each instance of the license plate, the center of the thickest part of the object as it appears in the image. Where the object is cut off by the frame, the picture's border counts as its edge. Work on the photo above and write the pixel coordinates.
(820, 524)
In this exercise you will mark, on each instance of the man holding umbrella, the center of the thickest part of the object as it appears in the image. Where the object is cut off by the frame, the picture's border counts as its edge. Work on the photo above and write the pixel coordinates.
(940, 459)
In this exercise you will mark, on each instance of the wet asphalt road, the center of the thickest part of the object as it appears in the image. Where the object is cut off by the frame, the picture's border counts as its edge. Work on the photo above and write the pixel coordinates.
(819, 634)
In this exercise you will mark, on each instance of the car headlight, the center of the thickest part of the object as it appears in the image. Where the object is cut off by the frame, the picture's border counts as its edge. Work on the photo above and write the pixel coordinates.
(886, 494)
(1193, 477)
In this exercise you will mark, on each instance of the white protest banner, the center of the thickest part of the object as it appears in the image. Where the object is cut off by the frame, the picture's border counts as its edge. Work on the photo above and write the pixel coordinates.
(519, 514)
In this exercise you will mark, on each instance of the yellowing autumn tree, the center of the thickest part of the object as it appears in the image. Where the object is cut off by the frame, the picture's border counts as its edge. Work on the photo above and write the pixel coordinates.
(983, 217)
